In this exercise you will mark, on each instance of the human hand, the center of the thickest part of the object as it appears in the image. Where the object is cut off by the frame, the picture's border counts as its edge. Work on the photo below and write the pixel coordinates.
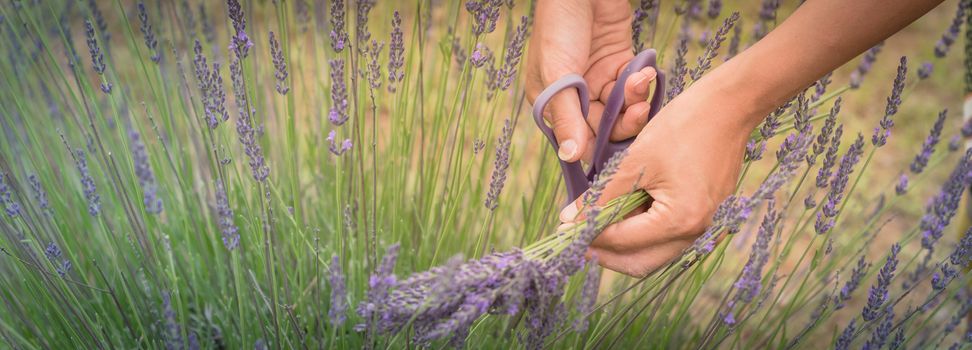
(688, 160)
(591, 38)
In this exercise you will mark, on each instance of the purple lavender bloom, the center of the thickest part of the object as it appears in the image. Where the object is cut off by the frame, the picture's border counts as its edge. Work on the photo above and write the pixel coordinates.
(881, 134)
(11, 207)
(339, 31)
(954, 143)
(852, 283)
(925, 70)
(676, 80)
(209, 33)
(500, 164)
(484, 14)
(240, 43)
(755, 150)
(927, 148)
(712, 47)
(172, 332)
(772, 122)
(362, 34)
(40, 196)
(846, 337)
(826, 216)
(374, 67)
(97, 58)
(87, 183)
(334, 147)
(640, 16)
(880, 334)
(734, 41)
(898, 341)
(374, 309)
(53, 254)
(867, 61)
(150, 41)
(216, 99)
(224, 219)
(715, 7)
(514, 52)
(396, 53)
(143, 171)
(751, 279)
(339, 294)
(939, 213)
(244, 125)
(963, 251)
(767, 11)
(201, 68)
(823, 138)
(902, 187)
(948, 38)
(588, 295)
(279, 65)
(457, 53)
(99, 19)
(338, 114)
(480, 56)
(879, 290)
(820, 88)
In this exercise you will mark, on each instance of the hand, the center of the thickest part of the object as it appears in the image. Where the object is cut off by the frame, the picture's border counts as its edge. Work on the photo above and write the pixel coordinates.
(591, 38)
(687, 159)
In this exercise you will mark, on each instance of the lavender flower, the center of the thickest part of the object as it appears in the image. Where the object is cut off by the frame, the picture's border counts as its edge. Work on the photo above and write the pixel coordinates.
(99, 19)
(750, 280)
(500, 164)
(954, 143)
(712, 47)
(279, 65)
(11, 207)
(87, 183)
(902, 187)
(820, 88)
(514, 52)
(53, 254)
(846, 337)
(143, 171)
(480, 56)
(925, 70)
(852, 283)
(339, 294)
(374, 309)
(857, 76)
(898, 341)
(676, 81)
(240, 43)
(40, 196)
(216, 98)
(588, 295)
(641, 15)
(927, 148)
(97, 58)
(209, 33)
(362, 34)
(172, 332)
(939, 213)
(826, 216)
(754, 150)
(879, 290)
(244, 125)
(880, 334)
(374, 67)
(148, 33)
(224, 219)
(484, 14)
(396, 54)
(334, 147)
(881, 134)
(715, 7)
(201, 68)
(823, 138)
(948, 38)
(339, 32)
(963, 251)
(338, 114)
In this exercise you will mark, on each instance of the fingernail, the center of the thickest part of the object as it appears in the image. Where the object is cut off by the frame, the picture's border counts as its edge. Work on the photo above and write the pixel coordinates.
(564, 227)
(567, 150)
(569, 213)
(641, 84)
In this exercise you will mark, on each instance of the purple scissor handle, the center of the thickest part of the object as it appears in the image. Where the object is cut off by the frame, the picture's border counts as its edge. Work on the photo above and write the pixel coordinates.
(575, 177)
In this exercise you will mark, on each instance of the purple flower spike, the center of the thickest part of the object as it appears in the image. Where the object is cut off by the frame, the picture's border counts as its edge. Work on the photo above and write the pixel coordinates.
(642, 16)
(734, 41)
(53, 254)
(751, 279)
(948, 38)
(240, 43)
(676, 80)
(143, 171)
(339, 294)
(333, 145)
(846, 337)
(224, 219)
(500, 164)
(150, 41)
(375, 308)
(11, 207)
(927, 148)
(97, 58)
(880, 334)
(514, 52)
(247, 132)
(857, 76)
(954, 143)
(484, 14)
(40, 195)
(715, 7)
(396, 54)
(216, 106)
(480, 56)
(338, 114)
(712, 47)
(87, 183)
(852, 283)
(826, 216)
(588, 295)
(925, 70)
(939, 213)
(339, 31)
(362, 34)
(279, 65)
(881, 134)
(374, 66)
(823, 138)
(902, 187)
(879, 290)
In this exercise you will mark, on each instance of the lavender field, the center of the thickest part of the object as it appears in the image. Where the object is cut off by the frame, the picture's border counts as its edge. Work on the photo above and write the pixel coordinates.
(347, 174)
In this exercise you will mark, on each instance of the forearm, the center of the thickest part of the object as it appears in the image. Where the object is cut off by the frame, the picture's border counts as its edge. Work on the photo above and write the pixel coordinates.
(818, 37)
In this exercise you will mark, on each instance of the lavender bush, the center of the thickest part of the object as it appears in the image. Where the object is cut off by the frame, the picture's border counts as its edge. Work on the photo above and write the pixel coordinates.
(364, 179)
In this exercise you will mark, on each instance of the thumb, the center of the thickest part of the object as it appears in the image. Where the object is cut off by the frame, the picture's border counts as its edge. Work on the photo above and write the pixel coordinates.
(569, 126)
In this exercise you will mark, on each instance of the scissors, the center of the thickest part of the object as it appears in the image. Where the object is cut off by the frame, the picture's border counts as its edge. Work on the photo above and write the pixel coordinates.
(577, 179)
